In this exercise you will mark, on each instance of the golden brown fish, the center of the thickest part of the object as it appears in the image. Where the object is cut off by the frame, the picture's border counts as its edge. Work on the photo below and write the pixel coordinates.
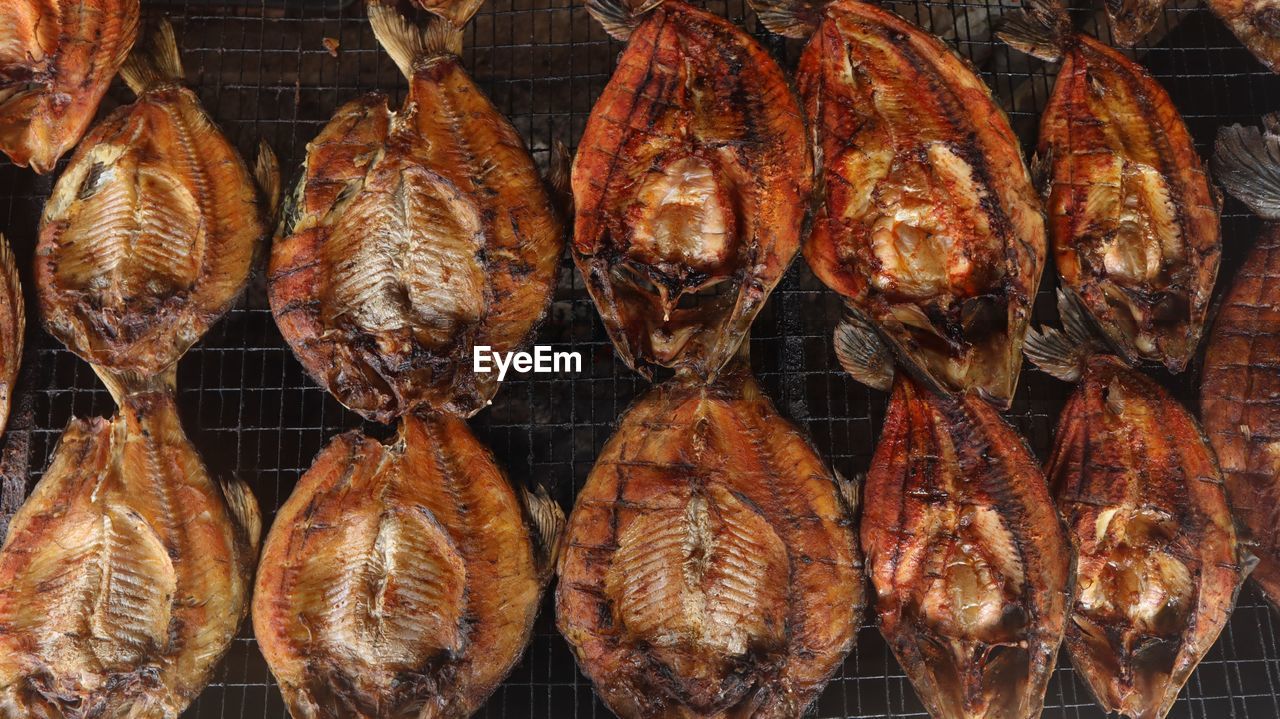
(13, 326)
(1256, 24)
(929, 226)
(1133, 220)
(1158, 566)
(401, 580)
(691, 185)
(969, 561)
(57, 58)
(414, 236)
(1240, 386)
(710, 568)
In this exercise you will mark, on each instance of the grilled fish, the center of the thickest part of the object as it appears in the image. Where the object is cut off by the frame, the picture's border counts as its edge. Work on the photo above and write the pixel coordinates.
(691, 185)
(414, 236)
(401, 580)
(1240, 387)
(57, 58)
(1132, 217)
(1158, 566)
(1256, 24)
(929, 227)
(969, 561)
(13, 325)
(709, 568)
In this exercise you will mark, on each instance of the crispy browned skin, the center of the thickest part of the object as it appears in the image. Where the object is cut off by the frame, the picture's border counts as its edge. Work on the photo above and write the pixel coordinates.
(691, 184)
(967, 556)
(125, 574)
(57, 58)
(1256, 23)
(709, 567)
(1158, 566)
(414, 236)
(1133, 221)
(398, 580)
(13, 325)
(929, 226)
(151, 231)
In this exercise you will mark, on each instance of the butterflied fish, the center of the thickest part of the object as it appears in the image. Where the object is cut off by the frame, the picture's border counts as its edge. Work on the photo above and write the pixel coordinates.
(57, 58)
(1240, 386)
(401, 580)
(691, 185)
(414, 236)
(1256, 24)
(1158, 566)
(1133, 219)
(709, 568)
(13, 325)
(929, 227)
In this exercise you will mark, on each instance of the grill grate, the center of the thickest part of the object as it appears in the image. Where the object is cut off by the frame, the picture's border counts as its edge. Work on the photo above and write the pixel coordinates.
(263, 70)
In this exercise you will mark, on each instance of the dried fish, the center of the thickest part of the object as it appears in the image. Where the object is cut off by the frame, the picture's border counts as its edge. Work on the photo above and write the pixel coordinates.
(930, 228)
(1158, 565)
(1132, 217)
(710, 568)
(401, 580)
(414, 236)
(1256, 24)
(691, 185)
(1240, 387)
(13, 325)
(57, 58)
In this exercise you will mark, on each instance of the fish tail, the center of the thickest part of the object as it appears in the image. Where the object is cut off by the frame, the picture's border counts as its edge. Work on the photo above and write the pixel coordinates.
(457, 12)
(155, 62)
(1131, 20)
(1042, 31)
(122, 384)
(407, 43)
(1246, 162)
(620, 17)
(1063, 353)
(790, 18)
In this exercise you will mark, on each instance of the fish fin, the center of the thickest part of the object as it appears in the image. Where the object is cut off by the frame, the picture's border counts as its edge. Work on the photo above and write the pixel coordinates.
(1246, 162)
(862, 353)
(548, 523)
(407, 43)
(1042, 171)
(850, 492)
(1042, 30)
(155, 62)
(558, 177)
(244, 512)
(796, 19)
(1062, 353)
(266, 172)
(457, 12)
(9, 267)
(620, 17)
(1131, 20)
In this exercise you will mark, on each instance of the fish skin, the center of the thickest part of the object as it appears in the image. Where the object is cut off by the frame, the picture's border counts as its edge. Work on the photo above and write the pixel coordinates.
(430, 532)
(1256, 23)
(950, 467)
(13, 327)
(125, 575)
(710, 567)
(929, 224)
(1142, 496)
(1147, 278)
(697, 127)
(443, 187)
(68, 49)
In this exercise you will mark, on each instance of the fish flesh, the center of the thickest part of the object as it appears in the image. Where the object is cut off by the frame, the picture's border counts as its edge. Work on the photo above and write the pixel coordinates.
(1240, 386)
(1133, 219)
(414, 236)
(125, 575)
(13, 327)
(710, 567)
(57, 58)
(151, 231)
(402, 580)
(969, 561)
(1158, 565)
(691, 186)
(929, 226)
(1256, 24)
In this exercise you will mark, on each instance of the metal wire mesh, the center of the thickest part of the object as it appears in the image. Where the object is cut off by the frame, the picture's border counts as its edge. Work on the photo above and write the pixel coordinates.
(263, 70)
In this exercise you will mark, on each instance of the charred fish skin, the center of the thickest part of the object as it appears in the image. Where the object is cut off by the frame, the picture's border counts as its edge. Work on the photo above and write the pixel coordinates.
(929, 225)
(57, 58)
(13, 327)
(401, 580)
(1240, 385)
(125, 575)
(414, 236)
(1254, 24)
(710, 567)
(691, 186)
(152, 230)
(967, 556)
(1132, 217)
